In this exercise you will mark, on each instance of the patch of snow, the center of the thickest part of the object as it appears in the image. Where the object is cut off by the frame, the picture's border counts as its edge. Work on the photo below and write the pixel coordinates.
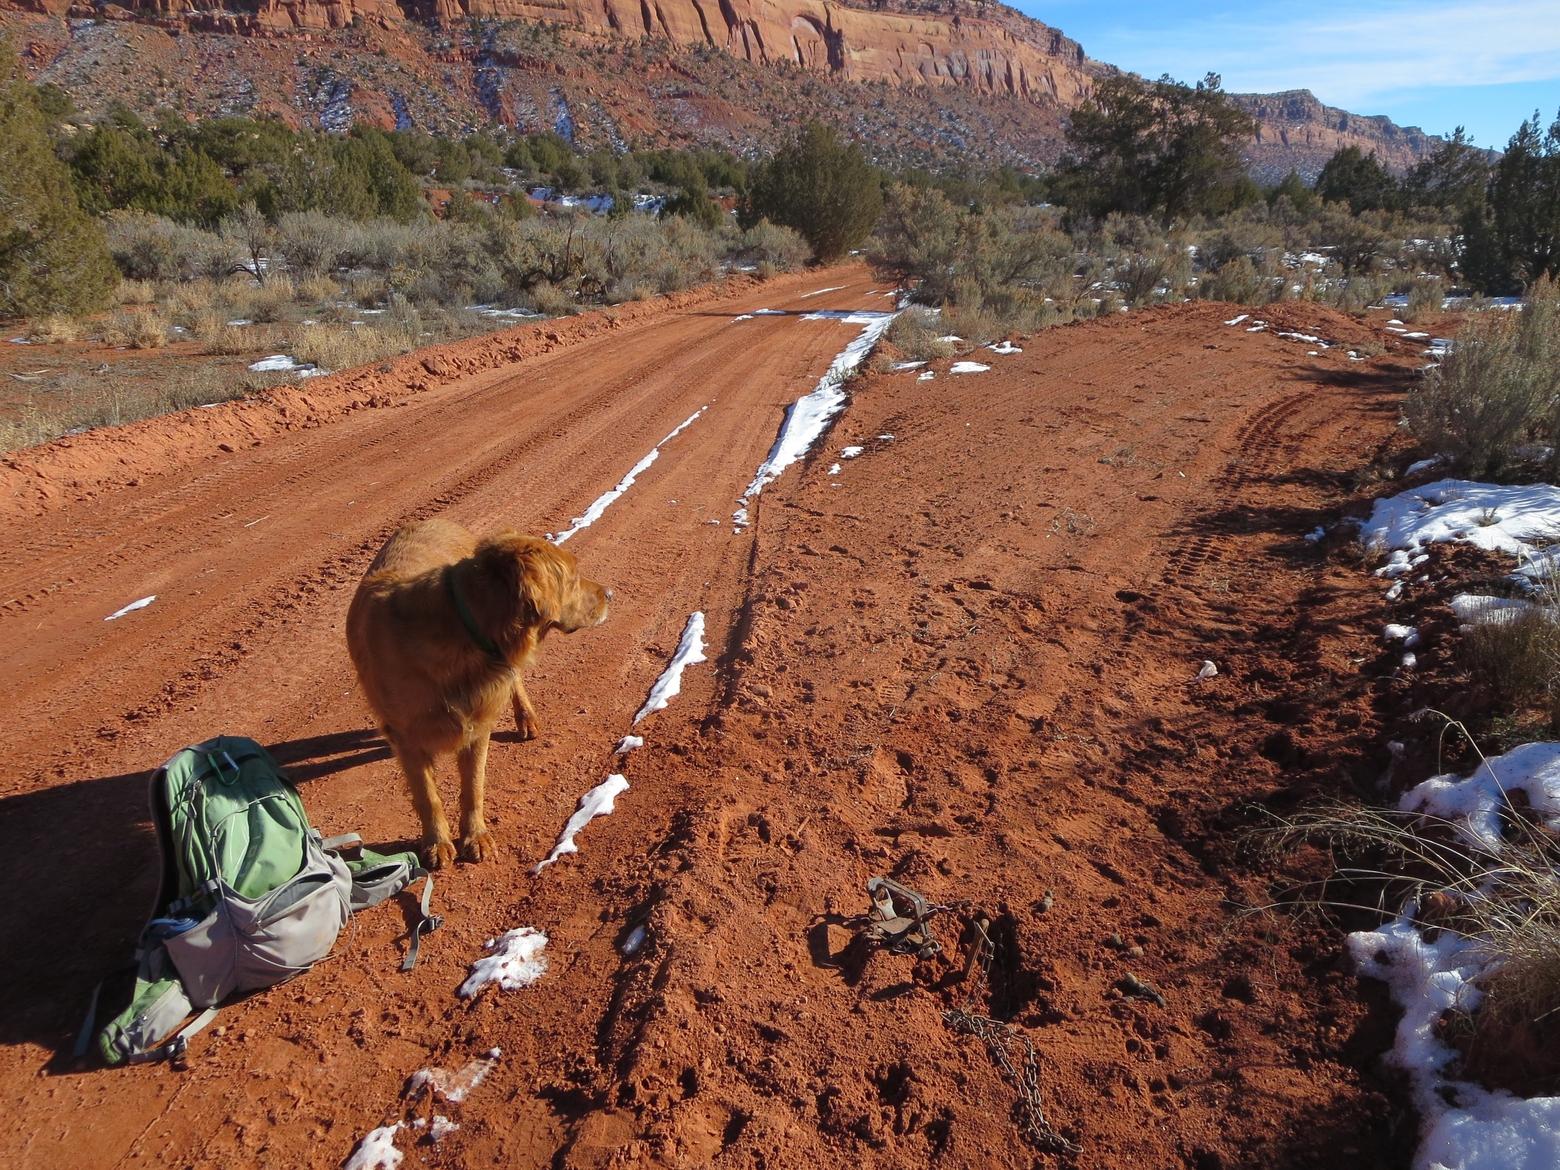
(897, 366)
(131, 608)
(516, 959)
(834, 469)
(443, 1085)
(951, 339)
(1494, 517)
(690, 649)
(806, 418)
(20, 341)
(635, 940)
(1207, 670)
(1416, 336)
(1408, 635)
(240, 322)
(926, 376)
(598, 802)
(628, 743)
(849, 316)
(770, 313)
(1474, 609)
(610, 497)
(277, 361)
(1410, 661)
(1257, 328)
(440, 1128)
(1306, 337)
(1424, 465)
(742, 317)
(1463, 1125)
(1316, 534)
(967, 368)
(1238, 320)
(1474, 803)
(376, 1151)
(850, 452)
(284, 363)
(495, 311)
(1004, 347)
(820, 292)
(1396, 591)
(1439, 347)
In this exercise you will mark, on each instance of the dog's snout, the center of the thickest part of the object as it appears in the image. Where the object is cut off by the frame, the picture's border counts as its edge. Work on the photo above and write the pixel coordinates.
(608, 592)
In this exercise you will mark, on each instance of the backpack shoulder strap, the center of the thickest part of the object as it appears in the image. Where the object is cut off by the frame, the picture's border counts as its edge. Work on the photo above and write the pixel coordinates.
(377, 876)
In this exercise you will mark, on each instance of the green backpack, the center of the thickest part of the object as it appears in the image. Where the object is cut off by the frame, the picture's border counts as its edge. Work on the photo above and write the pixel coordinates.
(250, 896)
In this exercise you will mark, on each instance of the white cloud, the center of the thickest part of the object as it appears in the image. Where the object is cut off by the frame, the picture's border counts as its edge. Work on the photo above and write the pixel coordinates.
(1358, 59)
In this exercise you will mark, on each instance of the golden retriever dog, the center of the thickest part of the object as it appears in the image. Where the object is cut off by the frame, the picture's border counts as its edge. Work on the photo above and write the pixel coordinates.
(440, 629)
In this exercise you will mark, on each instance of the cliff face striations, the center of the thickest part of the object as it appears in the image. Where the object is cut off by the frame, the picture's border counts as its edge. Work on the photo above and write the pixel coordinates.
(1294, 129)
(925, 82)
(958, 42)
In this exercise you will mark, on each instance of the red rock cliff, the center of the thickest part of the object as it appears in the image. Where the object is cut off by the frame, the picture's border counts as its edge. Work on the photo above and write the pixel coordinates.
(951, 42)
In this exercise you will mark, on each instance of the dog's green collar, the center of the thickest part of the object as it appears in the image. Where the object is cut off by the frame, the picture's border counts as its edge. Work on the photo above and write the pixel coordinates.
(462, 611)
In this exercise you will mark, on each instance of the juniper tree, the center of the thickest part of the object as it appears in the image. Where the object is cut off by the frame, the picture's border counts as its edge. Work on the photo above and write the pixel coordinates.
(52, 254)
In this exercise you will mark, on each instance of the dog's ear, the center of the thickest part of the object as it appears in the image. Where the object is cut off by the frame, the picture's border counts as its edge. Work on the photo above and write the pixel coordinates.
(524, 579)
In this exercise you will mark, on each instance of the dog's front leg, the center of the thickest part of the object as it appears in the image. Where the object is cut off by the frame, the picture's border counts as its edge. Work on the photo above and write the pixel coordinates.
(437, 848)
(476, 843)
(526, 722)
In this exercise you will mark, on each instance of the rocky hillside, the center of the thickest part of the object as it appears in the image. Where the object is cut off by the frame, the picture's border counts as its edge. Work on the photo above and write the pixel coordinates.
(924, 81)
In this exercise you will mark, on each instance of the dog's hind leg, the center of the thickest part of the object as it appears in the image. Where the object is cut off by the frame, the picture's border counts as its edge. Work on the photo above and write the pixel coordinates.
(526, 722)
(437, 848)
(476, 843)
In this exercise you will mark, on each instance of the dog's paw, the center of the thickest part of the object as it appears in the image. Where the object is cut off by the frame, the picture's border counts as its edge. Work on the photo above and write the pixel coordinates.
(528, 725)
(478, 846)
(438, 854)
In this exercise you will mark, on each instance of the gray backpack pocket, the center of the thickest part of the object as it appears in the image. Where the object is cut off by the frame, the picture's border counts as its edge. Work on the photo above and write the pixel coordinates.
(247, 944)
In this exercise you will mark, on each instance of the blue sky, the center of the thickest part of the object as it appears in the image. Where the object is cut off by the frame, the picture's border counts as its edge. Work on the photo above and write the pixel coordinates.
(1436, 64)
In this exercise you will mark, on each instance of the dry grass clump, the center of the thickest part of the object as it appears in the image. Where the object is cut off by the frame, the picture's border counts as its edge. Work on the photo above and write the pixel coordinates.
(918, 333)
(338, 347)
(550, 299)
(1518, 653)
(1003, 315)
(136, 292)
(78, 402)
(216, 336)
(144, 330)
(1354, 294)
(317, 289)
(270, 302)
(55, 329)
(1238, 281)
(1497, 391)
(1425, 297)
(188, 301)
(1505, 897)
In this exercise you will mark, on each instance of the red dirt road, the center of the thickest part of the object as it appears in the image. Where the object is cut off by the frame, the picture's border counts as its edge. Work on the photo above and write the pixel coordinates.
(965, 660)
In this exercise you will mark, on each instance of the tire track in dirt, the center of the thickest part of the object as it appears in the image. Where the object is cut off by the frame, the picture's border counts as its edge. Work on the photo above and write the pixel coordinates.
(918, 676)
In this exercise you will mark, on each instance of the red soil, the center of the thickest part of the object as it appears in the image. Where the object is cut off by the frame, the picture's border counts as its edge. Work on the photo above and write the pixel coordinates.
(965, 660)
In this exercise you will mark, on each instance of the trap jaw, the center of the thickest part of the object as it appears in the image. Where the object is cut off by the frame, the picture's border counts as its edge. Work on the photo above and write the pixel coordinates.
(899, 918)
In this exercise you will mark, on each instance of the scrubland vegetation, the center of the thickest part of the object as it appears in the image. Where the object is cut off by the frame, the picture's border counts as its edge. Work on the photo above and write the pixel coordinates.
(345, 248)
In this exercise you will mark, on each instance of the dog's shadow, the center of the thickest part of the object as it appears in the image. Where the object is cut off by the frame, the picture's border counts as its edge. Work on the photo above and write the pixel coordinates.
(84, 873)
